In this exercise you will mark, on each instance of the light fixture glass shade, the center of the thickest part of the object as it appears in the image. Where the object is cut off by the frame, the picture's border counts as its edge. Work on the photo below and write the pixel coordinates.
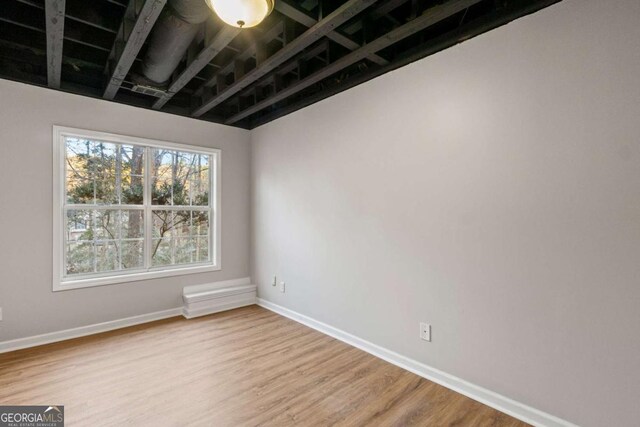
(241, 13)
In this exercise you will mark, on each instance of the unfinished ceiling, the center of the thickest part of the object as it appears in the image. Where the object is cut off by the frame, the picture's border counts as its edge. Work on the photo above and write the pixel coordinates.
(176, 56)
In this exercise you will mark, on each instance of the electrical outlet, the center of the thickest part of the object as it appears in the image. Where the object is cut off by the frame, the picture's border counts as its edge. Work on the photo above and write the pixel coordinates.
(282, 287)
(425, 331)
(0, 313)
(275, 281)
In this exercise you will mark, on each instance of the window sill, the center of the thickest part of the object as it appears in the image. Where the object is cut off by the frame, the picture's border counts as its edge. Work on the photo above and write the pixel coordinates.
(134, 277)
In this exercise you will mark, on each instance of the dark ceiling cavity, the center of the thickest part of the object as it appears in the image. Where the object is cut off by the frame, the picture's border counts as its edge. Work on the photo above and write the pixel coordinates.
(176, 56)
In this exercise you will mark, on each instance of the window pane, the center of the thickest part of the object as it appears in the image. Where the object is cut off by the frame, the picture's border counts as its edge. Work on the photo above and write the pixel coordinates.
(132, 254)
(107, 256)
(161, 252)
(162, 232)
(199, 223)
(185, 250)
(182, 223)
(79, 242)
(202, 249)
(103, 240)
(180, 178)
(182, 166)
(132, 224)
(79, 180)
(161, 177)
(199, 181)
(180, 237)
(102, 166)
(105, 224)
(103, 173)
(162, 223)
(80, 258)
(132, 175)
(79, 225)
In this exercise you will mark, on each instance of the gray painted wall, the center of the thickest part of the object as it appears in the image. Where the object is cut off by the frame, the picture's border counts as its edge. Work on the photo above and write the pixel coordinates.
(27, 114)
(492, 190)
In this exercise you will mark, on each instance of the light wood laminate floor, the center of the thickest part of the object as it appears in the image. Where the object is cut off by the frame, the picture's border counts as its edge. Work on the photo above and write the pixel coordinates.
(244, 367)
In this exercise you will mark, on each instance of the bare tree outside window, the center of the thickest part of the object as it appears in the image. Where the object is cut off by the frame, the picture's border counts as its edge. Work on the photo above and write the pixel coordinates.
(180, 179)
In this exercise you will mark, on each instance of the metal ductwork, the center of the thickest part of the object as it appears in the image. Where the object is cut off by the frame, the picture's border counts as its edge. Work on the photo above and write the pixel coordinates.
(171, 37)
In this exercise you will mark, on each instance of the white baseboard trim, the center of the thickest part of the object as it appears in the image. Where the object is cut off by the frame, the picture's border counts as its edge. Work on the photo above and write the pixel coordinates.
(20, 343)
(82, 331)
(517, 410)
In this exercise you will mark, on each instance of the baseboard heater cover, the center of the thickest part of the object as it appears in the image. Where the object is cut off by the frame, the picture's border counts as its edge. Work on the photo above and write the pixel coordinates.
(207, 299)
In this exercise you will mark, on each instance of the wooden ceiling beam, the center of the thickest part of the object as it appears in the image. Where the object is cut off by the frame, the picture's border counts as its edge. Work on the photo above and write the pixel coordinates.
(290, 66)
(386, 8)
(427, 19)
(383, 10)
(71, 16)
(338, 17)
(69, 37)
(299, 16)
(54, 18)
(269, 35)
(138, 20)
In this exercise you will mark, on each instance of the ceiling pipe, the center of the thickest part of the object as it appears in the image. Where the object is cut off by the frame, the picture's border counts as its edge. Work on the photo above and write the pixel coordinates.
(171, 37)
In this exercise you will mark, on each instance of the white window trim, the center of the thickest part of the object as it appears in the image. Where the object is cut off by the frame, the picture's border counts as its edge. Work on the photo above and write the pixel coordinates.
(62, 284)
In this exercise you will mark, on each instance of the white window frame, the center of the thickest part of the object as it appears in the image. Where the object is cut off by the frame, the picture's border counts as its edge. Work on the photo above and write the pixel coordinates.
(60, 283)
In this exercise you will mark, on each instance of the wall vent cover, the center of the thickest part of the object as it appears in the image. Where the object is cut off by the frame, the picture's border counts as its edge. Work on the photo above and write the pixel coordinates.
(149, 90)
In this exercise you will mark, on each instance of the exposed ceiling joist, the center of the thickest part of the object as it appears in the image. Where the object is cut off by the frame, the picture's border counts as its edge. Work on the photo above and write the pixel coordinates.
(382, 10)
(67, 37)
(321, 29)
(386, 8)
(32, 21)
(54, 16)
(299, 16)
(213, 48)
(312, 52)
(138, 20)
(427, 19)
(263, 75)
(69, 15)
(269, 35)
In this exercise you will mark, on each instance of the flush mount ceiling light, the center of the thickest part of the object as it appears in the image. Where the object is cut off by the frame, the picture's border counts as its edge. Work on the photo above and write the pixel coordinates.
(242, 13)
